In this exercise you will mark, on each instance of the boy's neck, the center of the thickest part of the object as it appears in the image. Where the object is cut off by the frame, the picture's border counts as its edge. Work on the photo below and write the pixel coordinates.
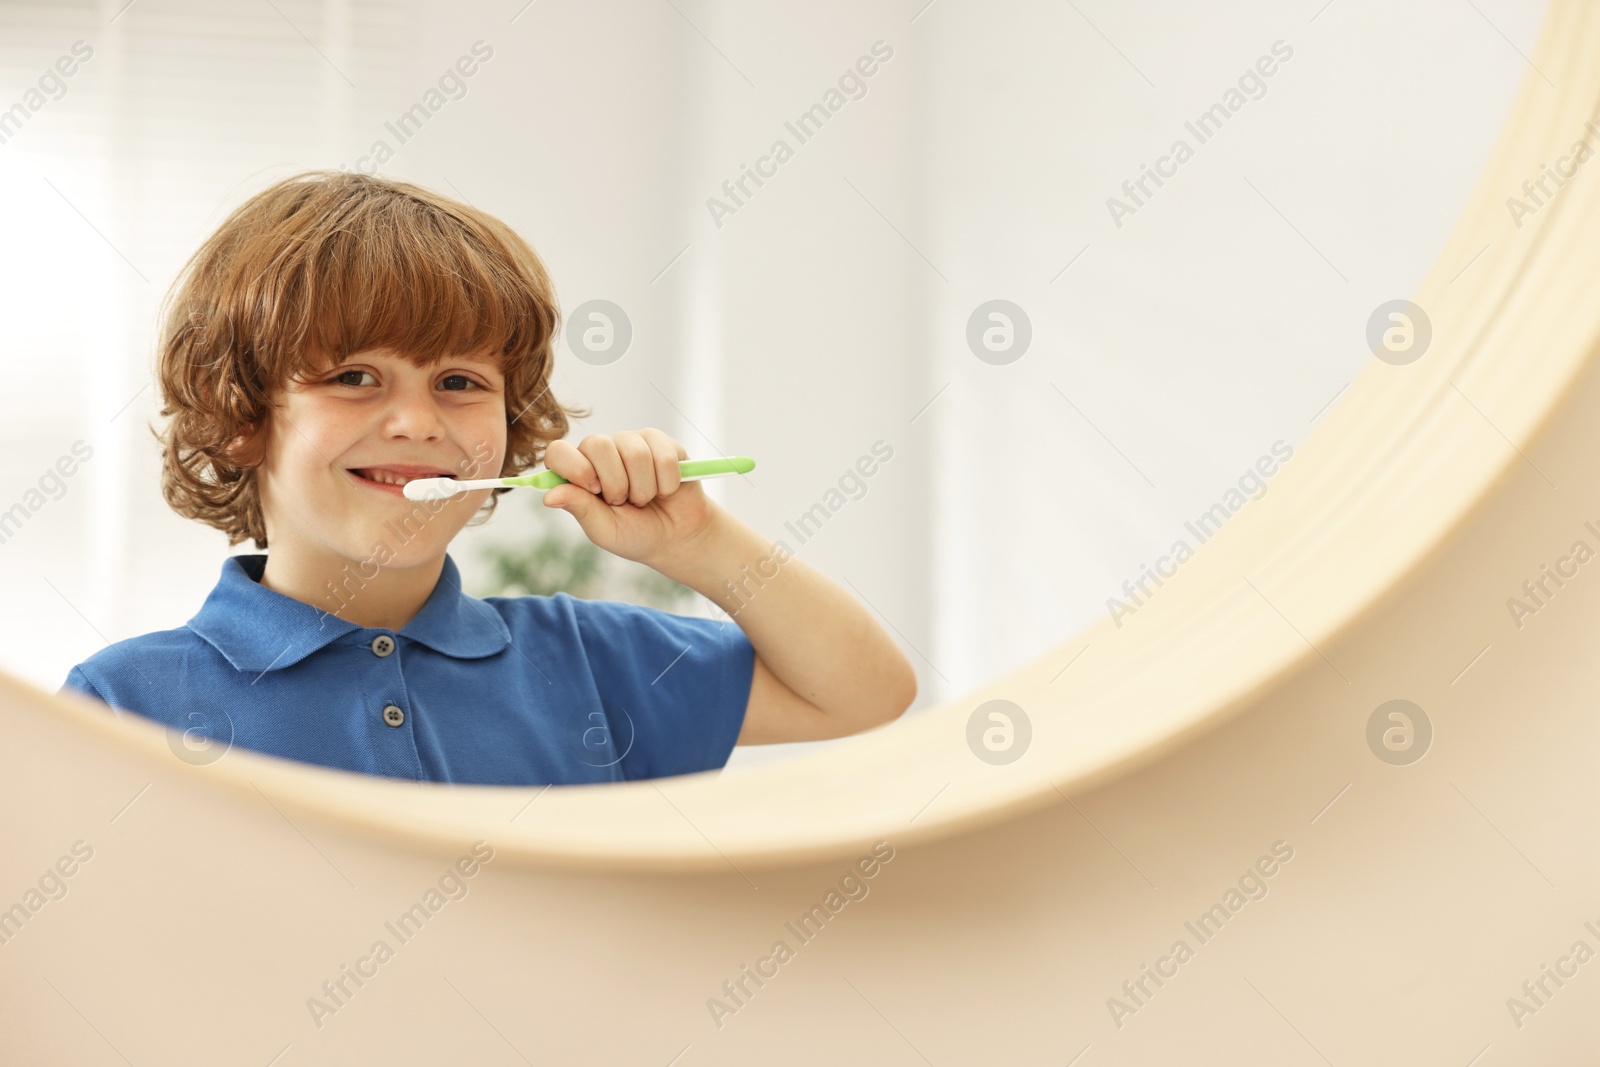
(340, 587)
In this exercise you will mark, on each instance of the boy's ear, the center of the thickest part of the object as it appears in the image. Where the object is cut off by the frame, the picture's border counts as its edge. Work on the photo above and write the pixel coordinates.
(244, 450)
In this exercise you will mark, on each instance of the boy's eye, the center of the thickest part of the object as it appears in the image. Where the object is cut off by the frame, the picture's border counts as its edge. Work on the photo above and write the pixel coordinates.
(353, 378)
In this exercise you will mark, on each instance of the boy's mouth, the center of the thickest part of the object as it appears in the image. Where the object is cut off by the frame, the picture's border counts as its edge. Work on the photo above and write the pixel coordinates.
(394, 478)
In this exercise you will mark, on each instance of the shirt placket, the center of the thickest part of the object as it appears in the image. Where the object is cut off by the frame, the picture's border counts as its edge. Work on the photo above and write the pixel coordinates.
(388, 701)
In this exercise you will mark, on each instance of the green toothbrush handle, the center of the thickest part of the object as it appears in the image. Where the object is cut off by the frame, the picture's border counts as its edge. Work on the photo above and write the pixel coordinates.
(688, 468)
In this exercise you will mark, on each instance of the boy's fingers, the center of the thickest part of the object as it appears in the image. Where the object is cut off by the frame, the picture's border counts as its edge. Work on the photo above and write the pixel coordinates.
(601, 451)
(665, 453)
(565, 459)
(639, 462)
(631, 467)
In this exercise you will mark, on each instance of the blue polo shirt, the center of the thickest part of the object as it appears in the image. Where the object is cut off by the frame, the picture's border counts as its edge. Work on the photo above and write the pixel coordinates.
(500, 691)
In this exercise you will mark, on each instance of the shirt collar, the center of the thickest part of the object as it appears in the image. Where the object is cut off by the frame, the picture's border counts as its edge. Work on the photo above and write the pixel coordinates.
(260, 629)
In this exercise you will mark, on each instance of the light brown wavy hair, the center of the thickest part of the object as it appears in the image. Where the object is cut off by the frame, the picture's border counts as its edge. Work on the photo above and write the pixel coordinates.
(309, 272)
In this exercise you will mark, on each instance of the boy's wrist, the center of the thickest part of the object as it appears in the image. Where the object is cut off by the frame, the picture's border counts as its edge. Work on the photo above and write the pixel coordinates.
(699, 562)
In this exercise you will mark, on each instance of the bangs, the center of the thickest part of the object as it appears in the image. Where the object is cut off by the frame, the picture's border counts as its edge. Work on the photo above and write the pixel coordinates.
(394, 272)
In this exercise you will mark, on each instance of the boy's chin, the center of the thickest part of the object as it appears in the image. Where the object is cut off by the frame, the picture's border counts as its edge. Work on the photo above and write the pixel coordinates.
(390, 548)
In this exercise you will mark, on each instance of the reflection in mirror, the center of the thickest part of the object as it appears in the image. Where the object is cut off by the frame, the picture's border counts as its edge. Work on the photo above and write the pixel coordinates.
(1014, 310)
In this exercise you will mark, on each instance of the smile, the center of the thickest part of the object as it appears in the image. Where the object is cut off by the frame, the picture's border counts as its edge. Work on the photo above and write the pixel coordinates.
(389, 481)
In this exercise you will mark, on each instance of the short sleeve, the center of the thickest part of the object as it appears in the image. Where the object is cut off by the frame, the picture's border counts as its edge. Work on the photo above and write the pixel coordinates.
(674, 687)
(78, 683)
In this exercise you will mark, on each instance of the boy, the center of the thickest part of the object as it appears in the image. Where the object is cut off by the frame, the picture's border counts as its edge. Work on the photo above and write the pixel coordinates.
(340, 334)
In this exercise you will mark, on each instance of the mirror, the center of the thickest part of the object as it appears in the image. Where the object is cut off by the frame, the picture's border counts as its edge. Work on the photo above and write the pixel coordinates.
(1074, 281)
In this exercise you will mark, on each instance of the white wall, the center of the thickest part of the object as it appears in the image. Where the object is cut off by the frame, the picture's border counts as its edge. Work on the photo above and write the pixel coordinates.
(826, 314)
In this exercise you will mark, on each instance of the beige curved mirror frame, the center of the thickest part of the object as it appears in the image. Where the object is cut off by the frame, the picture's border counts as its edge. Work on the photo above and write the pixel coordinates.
(1215, 773)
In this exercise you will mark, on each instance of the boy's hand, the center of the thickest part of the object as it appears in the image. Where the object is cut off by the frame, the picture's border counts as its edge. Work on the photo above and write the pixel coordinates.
(626, 494)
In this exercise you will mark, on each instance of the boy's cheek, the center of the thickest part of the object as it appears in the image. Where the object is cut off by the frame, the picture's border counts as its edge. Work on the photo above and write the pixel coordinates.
(485, 461)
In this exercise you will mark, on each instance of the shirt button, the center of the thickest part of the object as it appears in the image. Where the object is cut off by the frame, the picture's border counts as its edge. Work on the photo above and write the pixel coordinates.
(393, 715)
(382, 645)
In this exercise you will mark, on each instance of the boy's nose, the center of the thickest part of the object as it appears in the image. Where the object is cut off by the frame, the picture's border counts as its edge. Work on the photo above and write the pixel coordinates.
(414, 414)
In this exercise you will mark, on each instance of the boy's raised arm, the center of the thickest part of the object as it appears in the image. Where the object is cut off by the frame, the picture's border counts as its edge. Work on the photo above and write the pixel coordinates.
(824, 666)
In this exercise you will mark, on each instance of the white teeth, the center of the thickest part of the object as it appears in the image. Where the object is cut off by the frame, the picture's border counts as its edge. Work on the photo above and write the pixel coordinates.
(386, 478)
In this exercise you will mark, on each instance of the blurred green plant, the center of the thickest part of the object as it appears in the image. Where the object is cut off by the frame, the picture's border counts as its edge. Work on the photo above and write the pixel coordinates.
(559, 559)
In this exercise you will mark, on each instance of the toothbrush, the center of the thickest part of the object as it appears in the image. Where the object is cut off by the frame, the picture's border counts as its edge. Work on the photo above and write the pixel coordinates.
(443, 488)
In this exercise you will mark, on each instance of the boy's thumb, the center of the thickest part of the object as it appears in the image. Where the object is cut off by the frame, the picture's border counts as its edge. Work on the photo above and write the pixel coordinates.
(575, 501)
(566, 498)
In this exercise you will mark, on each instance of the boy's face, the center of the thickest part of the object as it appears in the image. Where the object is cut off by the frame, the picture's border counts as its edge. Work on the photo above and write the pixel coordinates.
(375, 410)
